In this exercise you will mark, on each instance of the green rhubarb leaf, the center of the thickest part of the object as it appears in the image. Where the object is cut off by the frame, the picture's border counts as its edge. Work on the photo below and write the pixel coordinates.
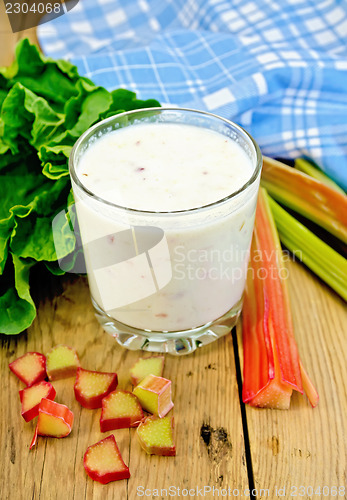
(3, 94)
(24, 193)
(6, 226)
(52, 80)
(125, 100)
(33, 238)
(86, 108)
(17, 309)
(37, 123)
(55, 160)
(55, 172)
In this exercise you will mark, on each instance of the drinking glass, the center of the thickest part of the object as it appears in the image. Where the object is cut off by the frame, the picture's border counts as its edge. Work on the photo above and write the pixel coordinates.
(167, 281)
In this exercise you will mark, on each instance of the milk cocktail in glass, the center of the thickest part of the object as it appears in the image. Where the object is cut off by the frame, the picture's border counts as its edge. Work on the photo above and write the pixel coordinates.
(165, 200)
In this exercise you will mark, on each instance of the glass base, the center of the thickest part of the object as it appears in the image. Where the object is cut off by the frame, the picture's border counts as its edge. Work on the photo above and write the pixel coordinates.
(176, 343)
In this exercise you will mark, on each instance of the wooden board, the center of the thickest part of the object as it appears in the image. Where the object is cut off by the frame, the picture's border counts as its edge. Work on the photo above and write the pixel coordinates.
(208, 426)
(8, 39)
(305, 447)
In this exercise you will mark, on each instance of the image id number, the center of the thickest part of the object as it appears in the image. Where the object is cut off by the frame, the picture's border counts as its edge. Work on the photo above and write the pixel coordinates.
(25, 8)
(323, 491)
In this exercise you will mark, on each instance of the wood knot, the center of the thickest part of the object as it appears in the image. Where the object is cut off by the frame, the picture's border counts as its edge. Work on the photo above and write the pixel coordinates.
(217, 442)
(274, 445)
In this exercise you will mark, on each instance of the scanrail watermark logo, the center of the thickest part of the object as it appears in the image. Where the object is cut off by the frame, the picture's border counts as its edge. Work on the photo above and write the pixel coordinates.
(25, 14)
(229, 263)
(136, 258)
(127, 263)
(202, 492)
(284, 491)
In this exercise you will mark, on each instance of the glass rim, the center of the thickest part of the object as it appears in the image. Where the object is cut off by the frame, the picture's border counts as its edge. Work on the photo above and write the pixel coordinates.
(91, 130)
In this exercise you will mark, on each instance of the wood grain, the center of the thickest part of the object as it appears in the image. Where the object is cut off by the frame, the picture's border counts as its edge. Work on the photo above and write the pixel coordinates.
(208, 427)
(8, 40)
(305, 446)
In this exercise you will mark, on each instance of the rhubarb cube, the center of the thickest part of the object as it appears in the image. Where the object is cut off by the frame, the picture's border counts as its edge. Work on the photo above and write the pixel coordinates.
(29, 368)
(154, 394)
(120, 409)
(155, 436)
(31, 398)
(103, 461)
(91, 387)
(61, 362)
(55, 420)
(146, 366)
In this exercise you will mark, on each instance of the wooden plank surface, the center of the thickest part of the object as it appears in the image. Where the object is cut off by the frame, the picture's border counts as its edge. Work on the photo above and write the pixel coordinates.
(208, 427)
(8, 39)
(304, 447)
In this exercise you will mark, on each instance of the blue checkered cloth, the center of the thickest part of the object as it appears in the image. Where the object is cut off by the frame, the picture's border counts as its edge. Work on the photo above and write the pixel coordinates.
(277, 68)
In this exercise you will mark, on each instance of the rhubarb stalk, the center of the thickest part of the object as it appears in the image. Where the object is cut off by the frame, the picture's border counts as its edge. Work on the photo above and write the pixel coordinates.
(323, 260)
(272, 367)
(313, 171)
(310, 197)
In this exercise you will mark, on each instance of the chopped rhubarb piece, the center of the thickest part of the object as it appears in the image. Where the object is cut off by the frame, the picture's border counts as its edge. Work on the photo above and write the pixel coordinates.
(153, 365)
(31, 397)
(91, 387)
(154, 394)
(29, 368)
(120, 409)
(103, 461)
(155, 436)
(55, 420)
(272, 366)
(61, 362)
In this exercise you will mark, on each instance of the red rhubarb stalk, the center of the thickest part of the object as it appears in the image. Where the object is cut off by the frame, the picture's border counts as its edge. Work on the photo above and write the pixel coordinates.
(271, 359)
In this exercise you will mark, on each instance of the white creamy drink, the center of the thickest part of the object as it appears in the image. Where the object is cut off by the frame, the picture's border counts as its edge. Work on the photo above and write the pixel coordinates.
(165, 265)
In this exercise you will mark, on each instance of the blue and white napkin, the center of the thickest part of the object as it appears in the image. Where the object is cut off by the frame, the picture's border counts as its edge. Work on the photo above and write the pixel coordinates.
(278, 68)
